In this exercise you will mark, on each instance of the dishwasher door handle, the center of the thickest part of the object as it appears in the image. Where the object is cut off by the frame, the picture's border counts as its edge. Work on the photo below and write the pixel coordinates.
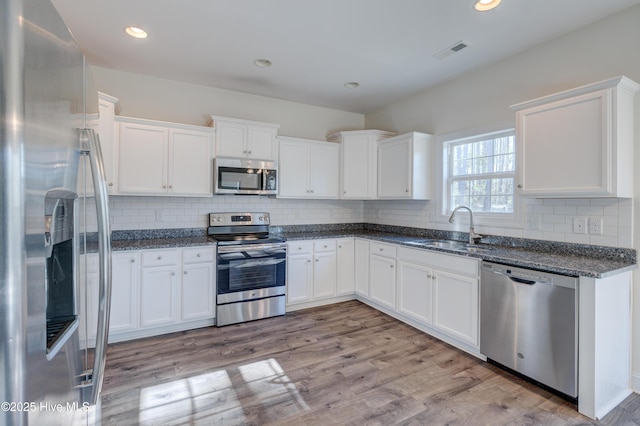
(522, 281)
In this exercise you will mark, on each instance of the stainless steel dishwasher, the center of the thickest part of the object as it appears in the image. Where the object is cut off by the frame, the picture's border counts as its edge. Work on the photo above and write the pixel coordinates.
(528, 323)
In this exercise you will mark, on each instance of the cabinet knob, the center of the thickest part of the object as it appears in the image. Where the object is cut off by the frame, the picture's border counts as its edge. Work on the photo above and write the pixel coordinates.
(325, 246)
(159, 257)
(339, 246)
(317, 260)
(390, 266)
(381, 249)
(433, 277)
(173, 274)
(244, 152)
(170, 186)
(133, 261)
(198, 255)
(406, 190)
(249, 152)
(299, 248)
(308, 260)
(311, 191)
(110, 183)
(519, 186)
(186, 272)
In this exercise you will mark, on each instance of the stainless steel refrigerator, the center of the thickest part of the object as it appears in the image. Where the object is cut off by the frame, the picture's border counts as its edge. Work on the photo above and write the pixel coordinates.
(53, 209)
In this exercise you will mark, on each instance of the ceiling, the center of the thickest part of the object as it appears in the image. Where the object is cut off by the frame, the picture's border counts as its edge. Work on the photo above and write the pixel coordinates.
(387, 46)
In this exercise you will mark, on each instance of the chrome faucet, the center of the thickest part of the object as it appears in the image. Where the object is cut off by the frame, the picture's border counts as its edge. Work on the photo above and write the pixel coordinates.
(473, 237)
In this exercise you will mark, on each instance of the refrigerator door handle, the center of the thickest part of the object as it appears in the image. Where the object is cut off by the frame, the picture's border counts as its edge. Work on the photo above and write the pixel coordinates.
(90, 142)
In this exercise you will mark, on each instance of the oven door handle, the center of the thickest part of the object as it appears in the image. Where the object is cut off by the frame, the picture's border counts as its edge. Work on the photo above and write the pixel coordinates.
(252, 247)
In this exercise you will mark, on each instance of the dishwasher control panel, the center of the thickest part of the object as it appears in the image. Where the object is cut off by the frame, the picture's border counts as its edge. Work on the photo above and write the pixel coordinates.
(530, 275)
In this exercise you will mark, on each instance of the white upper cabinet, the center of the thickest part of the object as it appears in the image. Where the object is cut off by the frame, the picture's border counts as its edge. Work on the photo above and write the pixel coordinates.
(404, 167)
(107, 131)
(359, 162)
(578, 143)
(308, 168)
(245, 139)
(158, 158)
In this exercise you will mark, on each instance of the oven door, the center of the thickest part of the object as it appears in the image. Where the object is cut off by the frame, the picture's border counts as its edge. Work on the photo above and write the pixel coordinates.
(248, 267)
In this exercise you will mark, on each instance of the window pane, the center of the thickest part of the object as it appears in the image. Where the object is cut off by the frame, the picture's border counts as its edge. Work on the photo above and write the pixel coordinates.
(460, 187)
(482, 157)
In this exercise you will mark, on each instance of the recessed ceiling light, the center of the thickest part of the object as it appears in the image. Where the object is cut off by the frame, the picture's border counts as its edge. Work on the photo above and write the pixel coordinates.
(262, 63)
(485, 5)
(352, 84)
(136, 32)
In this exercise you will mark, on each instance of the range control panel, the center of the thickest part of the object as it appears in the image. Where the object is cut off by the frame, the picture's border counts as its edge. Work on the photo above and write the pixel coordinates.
(227, 219)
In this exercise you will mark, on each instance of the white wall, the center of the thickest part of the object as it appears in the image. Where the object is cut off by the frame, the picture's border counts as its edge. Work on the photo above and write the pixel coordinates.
(158, 99)
(481, 100)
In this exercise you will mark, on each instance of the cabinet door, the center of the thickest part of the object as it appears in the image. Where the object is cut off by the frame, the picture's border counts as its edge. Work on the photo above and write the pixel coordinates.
(566, 147)
(324, 170)
(358, 168)
(143, 159)
(324, 274)
(231, 139)
(394, 169)
(190, 163)
(107, 131)
(299, 278)
(159, 298)
(198, 292)
(261, 143)
(383, 280)
(293, 170)
(415, 291)
(361, 272)
(345, 263)
(456, 305)
(125, 268)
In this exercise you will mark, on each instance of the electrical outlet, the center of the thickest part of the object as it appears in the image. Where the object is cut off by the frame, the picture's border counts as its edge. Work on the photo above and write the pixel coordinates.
(579, 225)
(595, 225)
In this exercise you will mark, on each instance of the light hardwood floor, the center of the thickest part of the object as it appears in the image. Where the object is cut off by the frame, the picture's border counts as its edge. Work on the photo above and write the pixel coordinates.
(342, 364)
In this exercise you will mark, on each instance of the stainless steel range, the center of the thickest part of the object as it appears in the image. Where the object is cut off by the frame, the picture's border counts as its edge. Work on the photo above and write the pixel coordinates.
(251, 269)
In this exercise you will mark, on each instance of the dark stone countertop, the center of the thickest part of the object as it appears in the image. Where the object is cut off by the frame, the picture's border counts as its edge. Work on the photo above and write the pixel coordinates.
(599, 263)
(555, 257)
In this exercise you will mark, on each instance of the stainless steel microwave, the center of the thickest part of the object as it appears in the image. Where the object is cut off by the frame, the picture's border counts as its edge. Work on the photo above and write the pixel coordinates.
(245, 177)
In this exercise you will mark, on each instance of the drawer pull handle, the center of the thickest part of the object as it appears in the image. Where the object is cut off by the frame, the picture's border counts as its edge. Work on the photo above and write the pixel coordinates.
(159, 257)
(198, 255)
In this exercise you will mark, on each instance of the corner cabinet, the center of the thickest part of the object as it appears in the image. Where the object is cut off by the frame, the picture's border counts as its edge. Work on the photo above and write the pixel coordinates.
(308, 168)
(404, 167)
(578, 143)
(359, 162)
(244, 138)
(159, 158)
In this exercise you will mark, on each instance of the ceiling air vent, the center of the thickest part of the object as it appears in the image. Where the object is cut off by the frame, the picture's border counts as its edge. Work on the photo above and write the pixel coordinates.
(455, 48)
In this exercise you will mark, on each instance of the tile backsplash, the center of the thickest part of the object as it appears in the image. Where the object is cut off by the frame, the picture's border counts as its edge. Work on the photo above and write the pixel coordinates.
(544, 219)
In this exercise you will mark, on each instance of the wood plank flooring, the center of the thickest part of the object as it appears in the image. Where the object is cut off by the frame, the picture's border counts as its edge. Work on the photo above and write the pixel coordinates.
(342, 364)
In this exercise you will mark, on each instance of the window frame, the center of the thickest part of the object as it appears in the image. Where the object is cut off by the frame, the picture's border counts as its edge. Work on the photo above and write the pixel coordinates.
(444, 207)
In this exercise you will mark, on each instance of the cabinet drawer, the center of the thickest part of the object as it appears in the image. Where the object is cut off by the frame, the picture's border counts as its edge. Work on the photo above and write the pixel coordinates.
(160, 257)
(198, 255)
(299, 247)
(381, 249)
(324, 245)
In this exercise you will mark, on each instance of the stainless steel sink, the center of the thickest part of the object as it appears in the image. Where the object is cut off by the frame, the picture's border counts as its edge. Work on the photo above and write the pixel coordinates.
(457, 246)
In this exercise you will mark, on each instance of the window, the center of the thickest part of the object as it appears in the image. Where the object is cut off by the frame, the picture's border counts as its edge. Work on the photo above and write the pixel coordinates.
(480, 173)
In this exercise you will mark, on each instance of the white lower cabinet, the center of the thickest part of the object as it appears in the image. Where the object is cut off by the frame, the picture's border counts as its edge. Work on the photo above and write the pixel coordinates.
(455, 305)
(361, 267)
(125, 267)
(198, 273)
(440, 291)
(153, 292)
(299, 272)
(415, 291)
(345, 266)
(319, 271)
(382, 274)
